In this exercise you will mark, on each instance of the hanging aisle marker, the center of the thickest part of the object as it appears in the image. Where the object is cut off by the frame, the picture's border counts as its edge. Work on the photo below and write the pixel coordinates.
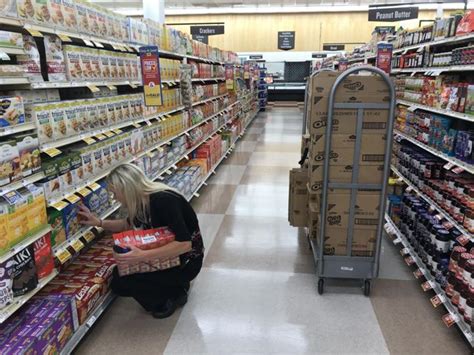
(150, 66)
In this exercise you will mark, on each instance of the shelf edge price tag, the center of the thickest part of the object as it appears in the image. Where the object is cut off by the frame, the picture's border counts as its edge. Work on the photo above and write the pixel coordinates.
(450, 319)
(111, 87)
(52, 152)
(98, 44)
(458, 170)
(64, 37)
(33, 32)
(59, 205)
(64, 256)
(418, 274)
(4, 56)
(101, 137)
(409, 260)
(132, 85)
(94, 186)
(109, 134)
(136, 125)
(89, 140)
(84, 192)
(426, 286)
(404, 251)
(77, 245)
(437, 300)
(117, 131)
(93, 88)
(89, 236)
(463, 239)
(448, 166)
(73, 198)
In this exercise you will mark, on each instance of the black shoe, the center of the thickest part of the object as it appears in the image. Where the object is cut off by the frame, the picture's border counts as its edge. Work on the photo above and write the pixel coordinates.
(182, 298)
(166, 310)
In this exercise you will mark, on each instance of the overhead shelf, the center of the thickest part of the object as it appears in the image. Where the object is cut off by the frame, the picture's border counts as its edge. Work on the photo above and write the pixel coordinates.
(5, 131)
(432, 203)
(467, 167)
(433, 71)
(444, 41)
(21, 183)
(408, 250)
(12, 50)
(209, 99)
(78, 84)
(206, 79)
(415, 106)
(14, 81)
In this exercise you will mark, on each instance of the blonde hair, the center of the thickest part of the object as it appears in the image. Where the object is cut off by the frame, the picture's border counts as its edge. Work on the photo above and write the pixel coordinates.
(136, 188)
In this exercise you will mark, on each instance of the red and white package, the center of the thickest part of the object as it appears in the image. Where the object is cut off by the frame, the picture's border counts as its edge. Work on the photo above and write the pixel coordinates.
(44, 256)
(146, 240)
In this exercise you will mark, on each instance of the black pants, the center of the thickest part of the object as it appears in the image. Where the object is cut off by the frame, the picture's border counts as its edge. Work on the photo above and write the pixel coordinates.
(152, 289)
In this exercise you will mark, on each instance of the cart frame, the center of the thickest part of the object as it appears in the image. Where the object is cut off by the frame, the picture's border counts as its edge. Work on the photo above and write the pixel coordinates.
(348, 266)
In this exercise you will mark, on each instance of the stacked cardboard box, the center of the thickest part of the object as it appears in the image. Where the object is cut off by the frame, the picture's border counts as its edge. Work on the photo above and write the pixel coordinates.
(298, 198)
(354, 89)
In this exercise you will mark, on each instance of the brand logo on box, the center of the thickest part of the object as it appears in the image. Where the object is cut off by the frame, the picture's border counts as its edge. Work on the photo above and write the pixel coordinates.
(354, 86)
(334, 220)
(317, 99)
(317, 186)
(319, 124)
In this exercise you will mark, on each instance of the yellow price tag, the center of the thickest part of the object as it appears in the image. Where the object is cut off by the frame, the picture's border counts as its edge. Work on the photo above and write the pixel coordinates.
(84, 192)
(64, 256)
(93, 88)
(117, 131)
(111, 87)
(94, 186)
(77, 245)
(100, 137)
(59, 205)
(109, 134)
(34, 33)
(64, 38)
(73, 198)
(89, 236)
(52, 152)
(89, 140)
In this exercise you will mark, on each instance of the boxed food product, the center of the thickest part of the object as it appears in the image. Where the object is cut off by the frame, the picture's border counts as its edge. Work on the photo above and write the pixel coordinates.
(298, 198)
(56, 65)
(55, 8)
(113, 67)
(70, 219)
(83, 116)
(36, 207)
(73, 121)
(43, 256)
(74, 67)
(51, 183)
(59, 121)
(65, 175)
(44, 124)
(10, 169)
(70, 14)
(11, 111)
(58, 233)
(11, 39)
(6, 283)
(28, 149)
(26, 9)
(76, 168)
(8, 8)
(25, 278)
(31, 59)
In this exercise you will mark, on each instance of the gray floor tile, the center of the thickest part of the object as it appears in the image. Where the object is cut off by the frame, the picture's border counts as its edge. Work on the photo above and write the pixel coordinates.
(228, 175)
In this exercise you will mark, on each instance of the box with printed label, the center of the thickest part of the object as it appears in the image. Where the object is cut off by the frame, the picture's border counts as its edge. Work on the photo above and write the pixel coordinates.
(363, 241)
(298, 198)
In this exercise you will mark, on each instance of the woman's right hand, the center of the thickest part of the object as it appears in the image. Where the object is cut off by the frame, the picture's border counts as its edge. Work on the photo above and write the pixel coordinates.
(87, 217)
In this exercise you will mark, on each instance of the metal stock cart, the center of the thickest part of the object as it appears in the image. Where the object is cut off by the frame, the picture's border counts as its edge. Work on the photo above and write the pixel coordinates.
(349, 266)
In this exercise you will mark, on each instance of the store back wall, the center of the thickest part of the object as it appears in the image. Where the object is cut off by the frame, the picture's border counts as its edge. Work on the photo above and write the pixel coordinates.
(258, 32)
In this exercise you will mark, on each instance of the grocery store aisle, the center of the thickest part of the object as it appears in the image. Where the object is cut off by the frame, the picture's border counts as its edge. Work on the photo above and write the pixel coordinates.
(256, 293)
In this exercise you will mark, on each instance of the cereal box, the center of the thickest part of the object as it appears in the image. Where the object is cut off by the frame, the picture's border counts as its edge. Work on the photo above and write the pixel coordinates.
(8, 8)
(55, 57)
(111, 116)
(70, 219)
(94, 122)
(17, 218)
(51, 184)
(86, 54)
(102, 117)
(95, 64)
(65, 175)
(30, 157)
(43, 256)
(10, 170)
(11, 111)
(83, 116)
(43, 120)
(97, 158)
(6, 282)
(114, 74)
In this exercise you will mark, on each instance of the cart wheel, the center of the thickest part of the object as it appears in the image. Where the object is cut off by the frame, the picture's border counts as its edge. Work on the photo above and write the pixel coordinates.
(367, 288)
(321, 286)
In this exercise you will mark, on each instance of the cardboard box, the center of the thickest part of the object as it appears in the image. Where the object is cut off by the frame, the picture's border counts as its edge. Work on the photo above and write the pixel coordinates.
(354, 89)
(298, 198)
(363, 241)
(372, 150)
(313, 220)
(368, 174)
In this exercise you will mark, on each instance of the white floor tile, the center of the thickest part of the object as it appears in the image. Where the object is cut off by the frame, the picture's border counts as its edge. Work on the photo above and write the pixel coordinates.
(275, 159)
(253, 312)
(228, 174)
(209, 224)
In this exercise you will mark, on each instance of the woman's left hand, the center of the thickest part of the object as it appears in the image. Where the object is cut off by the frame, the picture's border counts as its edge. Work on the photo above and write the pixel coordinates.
(135, 255)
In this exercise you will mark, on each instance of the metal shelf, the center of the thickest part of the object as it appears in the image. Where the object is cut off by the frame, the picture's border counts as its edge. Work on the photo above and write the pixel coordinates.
(12, 50)
(391, 228)
(25, 242)
(415, 106)
(14, 81)
(206, 79)
(21, 183)
(209, 99)
(354, 60)
(432, 203)
(80, 332)
(467, 167)
(5, 131)
(450, 40)
(77, 84)
(6, 312)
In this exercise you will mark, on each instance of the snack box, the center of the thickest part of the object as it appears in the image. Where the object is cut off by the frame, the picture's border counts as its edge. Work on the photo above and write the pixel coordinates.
(70, 219)
(50, 183)
(10, 169)
(16, 217)
(30, 157)
(36, 209)
(43, 256)
(12, 111)
(58, 232)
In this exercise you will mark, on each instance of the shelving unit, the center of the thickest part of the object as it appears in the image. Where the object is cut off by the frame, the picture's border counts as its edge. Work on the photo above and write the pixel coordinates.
(432, 203)
(25, 242)
(21, 183)
(450, 40)
(392, 229)
(414, 106)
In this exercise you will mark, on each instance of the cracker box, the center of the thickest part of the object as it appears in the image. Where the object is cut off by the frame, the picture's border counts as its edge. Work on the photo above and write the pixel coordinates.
(10, 169)
(58, 233)
(36, 211)
(11, 111)
(28, 149)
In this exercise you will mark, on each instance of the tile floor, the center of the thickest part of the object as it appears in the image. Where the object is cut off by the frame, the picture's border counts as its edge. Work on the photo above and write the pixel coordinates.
(257, 291)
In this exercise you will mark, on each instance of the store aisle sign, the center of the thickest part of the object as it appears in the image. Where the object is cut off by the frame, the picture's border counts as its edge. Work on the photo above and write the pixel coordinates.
(333, 47)
(384, 56)
(319, 55)
(207, 30)
(256, 56)
(392, 14)
(286, 40)
(201, 38)
(229, 76)
(150, 64)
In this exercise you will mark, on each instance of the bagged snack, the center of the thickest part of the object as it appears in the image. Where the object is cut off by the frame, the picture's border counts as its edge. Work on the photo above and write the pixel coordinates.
(55, 58)
(6, 283)
(44, 256)
(24, 272)
(30, 157)
(11, 111)
(31, 59)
